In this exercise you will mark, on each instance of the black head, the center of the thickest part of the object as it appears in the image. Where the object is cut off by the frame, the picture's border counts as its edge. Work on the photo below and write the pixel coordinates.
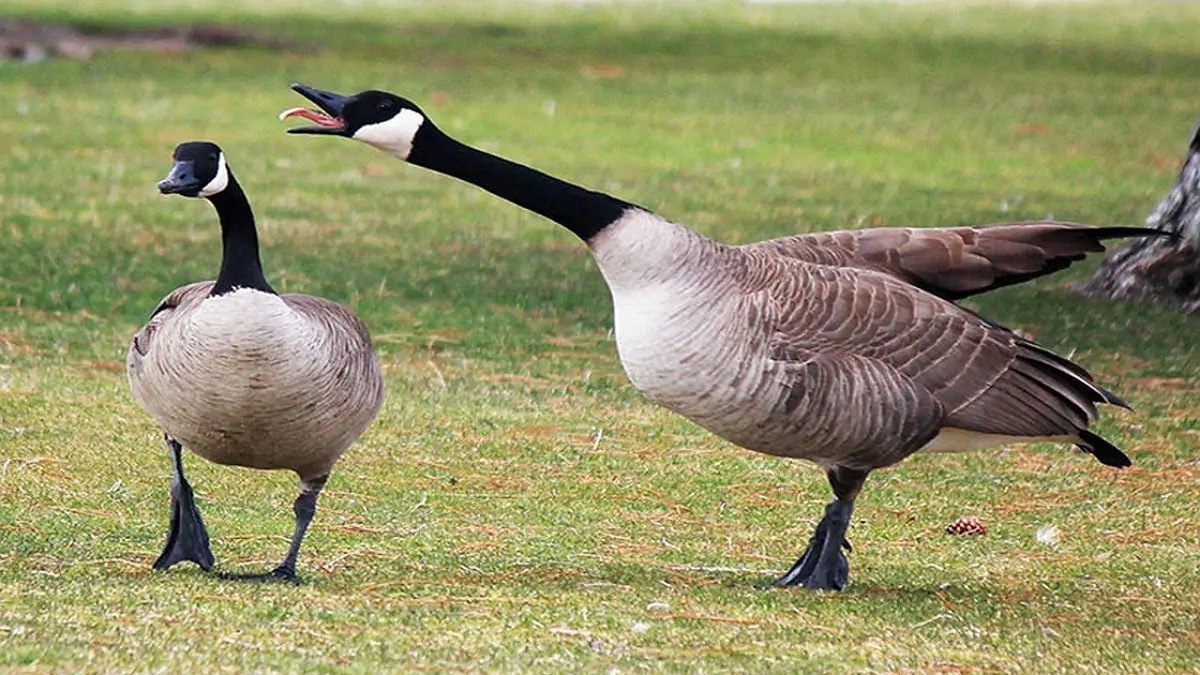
(199, 171)
(382, 119)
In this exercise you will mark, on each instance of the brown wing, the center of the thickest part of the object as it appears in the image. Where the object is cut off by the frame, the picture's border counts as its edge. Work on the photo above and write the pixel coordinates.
(985, 378)
(856, 412)
(340, 325)
(144, 338)
(954, 263)
(347, 344)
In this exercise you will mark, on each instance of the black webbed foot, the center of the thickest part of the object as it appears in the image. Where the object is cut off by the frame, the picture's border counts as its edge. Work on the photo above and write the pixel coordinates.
(187, 538)
(823, 566)
(813, 573)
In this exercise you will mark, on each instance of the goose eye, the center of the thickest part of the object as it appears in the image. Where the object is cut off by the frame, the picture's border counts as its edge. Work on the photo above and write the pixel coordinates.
(212, 157)
(385, 105)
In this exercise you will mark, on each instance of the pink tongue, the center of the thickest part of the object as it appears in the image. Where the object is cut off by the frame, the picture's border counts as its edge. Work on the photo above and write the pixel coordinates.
(319, 118)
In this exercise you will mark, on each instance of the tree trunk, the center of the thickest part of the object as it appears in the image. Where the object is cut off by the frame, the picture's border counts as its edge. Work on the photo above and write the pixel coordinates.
(1163, 269)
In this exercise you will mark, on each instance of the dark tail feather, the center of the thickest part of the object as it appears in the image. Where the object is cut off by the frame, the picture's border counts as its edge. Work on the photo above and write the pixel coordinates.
(1112, 398)
(1117, 232)
(1107, 453)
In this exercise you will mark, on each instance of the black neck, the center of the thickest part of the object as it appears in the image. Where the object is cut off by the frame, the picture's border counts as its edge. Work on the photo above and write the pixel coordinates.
(240, 264)
(578, 209)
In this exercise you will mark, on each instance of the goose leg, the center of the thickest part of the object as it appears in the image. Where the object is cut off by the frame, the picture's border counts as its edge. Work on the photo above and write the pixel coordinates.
(823, 566)
(304, 507)
(187, 539)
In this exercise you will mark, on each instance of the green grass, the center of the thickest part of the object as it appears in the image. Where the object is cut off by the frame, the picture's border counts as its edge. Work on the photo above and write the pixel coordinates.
(517, 506)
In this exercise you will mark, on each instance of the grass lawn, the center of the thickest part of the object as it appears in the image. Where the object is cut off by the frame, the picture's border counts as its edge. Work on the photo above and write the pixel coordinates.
(517, 506)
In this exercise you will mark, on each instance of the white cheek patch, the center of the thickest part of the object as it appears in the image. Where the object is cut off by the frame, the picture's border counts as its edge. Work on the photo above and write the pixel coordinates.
(394, 135)
(219, 182)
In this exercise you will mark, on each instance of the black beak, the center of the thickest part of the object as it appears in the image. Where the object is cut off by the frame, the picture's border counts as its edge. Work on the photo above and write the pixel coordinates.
(331, 104)
(181, 181)
(328, 101)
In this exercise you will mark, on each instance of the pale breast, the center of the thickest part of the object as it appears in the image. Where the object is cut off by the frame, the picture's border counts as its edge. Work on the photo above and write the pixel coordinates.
(685, 335)
(696, 354)
(244, 379)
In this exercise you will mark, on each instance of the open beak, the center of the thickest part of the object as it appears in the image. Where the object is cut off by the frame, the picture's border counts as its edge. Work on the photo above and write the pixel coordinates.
(181, 181)
(328, 120)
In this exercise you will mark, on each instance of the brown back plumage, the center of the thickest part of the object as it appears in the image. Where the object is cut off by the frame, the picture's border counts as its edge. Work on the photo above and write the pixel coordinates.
(954, 263)
(850, 338)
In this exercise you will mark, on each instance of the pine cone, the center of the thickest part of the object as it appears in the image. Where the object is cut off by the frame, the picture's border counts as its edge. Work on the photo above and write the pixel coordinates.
(967, 525)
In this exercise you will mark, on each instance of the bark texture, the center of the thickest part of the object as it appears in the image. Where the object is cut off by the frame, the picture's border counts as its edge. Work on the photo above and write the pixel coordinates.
(1162, 269)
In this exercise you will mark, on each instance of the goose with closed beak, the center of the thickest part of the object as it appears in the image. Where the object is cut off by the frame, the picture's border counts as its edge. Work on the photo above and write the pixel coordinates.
(243, 375)
(842, 348)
